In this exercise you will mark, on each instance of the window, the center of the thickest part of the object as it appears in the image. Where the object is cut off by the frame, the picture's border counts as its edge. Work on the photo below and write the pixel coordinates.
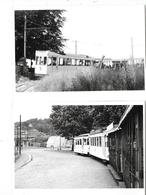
(84, 141)
(45, 60)
(88, 141)
(99, 141)
(95, 142)
(37, 60)
(41, 61)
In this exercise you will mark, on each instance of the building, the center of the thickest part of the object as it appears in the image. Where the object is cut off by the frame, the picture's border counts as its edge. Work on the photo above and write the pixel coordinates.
(58, 143)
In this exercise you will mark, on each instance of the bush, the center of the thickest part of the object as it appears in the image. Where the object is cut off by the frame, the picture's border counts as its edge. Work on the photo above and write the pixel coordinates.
(129, 78)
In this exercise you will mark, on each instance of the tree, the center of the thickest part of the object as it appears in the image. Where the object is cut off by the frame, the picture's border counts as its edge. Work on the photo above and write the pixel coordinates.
(104, 115)
(70, 121)
(43, 31)
(42, 125)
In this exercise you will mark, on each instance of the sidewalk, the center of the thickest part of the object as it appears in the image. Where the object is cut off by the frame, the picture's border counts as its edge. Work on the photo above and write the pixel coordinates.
(22, 161)
(116, 177)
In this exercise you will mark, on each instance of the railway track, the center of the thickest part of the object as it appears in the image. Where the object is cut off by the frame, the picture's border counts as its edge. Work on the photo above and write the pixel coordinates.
(23, 87)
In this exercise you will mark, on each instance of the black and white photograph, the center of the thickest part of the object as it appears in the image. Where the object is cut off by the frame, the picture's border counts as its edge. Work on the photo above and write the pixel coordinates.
(79, 146)
(94, 48)
(79, 127)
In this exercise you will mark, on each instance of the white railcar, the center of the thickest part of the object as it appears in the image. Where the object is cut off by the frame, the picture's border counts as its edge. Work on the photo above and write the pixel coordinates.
(98, 145)
(81, 144)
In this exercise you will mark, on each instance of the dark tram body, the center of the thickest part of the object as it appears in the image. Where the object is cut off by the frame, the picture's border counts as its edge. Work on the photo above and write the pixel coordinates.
(126, 147)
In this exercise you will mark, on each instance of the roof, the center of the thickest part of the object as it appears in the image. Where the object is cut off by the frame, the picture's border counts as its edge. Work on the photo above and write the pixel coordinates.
(129, 108)
(74, 56)
(97, 131)
(83, 135)
(116, 128)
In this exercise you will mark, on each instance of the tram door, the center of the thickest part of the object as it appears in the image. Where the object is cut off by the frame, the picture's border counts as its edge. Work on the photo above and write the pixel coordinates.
(41, 65)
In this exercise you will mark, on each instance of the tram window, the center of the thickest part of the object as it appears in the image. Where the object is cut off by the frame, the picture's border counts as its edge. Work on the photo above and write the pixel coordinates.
(37, 59)
(49, 61)
(95, 142)
(45, 60)
(87, 141)
(99, 141)
(41, 61)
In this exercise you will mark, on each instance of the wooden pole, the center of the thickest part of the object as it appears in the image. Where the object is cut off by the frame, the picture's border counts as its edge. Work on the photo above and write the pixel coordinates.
(20, 137)
(132, 56)
(25, 36)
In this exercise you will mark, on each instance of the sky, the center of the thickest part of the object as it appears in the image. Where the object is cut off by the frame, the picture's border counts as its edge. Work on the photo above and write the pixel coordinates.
(30, 106)
(105, 30)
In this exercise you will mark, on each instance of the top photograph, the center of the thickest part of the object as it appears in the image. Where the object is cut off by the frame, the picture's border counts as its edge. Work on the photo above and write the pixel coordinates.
(100, 48)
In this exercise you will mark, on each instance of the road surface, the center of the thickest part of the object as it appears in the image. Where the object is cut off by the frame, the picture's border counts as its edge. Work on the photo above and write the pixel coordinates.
(62, 169)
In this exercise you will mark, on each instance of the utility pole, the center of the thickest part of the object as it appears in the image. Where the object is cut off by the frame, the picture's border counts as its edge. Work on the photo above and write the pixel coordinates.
(75, 47)
(20, 136)
(17, 142)
(132, 56)
(25, 20)
(60, 142)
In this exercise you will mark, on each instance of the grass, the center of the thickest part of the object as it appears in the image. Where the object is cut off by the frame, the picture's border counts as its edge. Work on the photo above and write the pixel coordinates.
(73, 78)
(131, 78)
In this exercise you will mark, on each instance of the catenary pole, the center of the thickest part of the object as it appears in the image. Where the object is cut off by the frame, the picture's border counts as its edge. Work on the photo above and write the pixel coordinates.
(25, 20)
(20, 137)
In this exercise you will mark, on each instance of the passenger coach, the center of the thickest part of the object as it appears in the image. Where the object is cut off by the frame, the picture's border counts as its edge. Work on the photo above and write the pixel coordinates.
(81, 144)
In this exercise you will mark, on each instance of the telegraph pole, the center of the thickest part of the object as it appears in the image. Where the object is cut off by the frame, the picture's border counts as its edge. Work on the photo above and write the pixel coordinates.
(75, 47)
(20, 137)
(60, 142)
(25, 20)
(132, 56)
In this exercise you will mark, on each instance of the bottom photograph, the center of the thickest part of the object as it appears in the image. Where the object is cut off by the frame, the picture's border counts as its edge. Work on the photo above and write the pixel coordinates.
(79, 146)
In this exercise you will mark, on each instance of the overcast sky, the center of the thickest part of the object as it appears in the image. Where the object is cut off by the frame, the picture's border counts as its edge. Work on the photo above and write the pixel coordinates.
(105, 30)
(31, 106)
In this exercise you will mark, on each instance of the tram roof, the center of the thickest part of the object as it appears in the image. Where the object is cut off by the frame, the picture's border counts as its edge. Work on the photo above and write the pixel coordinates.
(128, 109)
(83, 135)
(72, 56)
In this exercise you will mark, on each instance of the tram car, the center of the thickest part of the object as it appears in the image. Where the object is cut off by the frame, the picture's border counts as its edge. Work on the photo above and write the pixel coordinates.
(126, 147)
(47, 58)
(94, 144)
(81, 144)
(98, 145)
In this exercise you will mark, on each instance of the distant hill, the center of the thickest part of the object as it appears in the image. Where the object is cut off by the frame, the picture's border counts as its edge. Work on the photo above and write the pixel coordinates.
(38, 127)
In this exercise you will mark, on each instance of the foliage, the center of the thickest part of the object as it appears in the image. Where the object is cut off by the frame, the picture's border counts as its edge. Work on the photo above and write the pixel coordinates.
(70, 121)
(42, 125)
(85, 78)
(131, 78)
(43, 31)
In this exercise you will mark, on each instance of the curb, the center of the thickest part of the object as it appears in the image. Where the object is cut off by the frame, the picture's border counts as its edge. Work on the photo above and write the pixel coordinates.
(25, 163)
(116, 177)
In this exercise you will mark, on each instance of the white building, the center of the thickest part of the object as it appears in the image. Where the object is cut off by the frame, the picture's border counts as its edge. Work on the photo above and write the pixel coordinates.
(58, 143)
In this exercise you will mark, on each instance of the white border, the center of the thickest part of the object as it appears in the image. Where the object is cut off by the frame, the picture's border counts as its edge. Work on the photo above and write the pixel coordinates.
(8, 94)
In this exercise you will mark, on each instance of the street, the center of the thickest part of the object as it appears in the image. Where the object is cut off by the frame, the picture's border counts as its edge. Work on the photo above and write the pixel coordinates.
(62, 169)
